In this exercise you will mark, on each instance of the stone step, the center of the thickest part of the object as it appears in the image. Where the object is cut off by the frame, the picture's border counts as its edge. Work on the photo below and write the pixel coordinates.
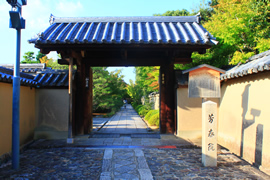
(118, 135)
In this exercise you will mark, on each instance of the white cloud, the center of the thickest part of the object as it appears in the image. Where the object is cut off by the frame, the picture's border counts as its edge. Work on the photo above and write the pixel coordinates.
(37, 12)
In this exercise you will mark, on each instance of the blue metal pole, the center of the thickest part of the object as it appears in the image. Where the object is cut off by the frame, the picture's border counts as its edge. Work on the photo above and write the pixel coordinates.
(16, 107)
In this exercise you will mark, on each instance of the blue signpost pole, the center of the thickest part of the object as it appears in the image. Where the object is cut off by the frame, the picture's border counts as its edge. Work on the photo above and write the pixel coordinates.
(16, 107)
(18, 23)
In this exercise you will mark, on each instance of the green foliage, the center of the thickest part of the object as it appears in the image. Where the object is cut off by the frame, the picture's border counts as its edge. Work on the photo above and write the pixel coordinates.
(206, 10)
(243, 25)
(147, 79)
(134, 105)
(154, 120)
(150, 113)
(29, 58)
(263, 45)
(152, 117)
(52, 63)
(182, 12)
(135, 92)
(216, 56)
(109, 90)
(240, 26)
(138, 107)
(143, 112)
(39, 55)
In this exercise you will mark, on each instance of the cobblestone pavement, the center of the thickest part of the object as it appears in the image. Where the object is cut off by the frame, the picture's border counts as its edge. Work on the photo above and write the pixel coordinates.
(63, 163)
(186, 164)
(126, 163)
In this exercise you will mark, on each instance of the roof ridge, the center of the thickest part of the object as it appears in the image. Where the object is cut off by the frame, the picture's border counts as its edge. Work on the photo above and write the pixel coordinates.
(258, 56)
(10, 72)
(196, 18)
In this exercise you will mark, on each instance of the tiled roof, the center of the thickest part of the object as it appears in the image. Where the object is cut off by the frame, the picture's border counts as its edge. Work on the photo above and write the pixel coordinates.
(6, 75)
(47, 78)
(27, 68)
(255, 64)
(52, 78)
(126, 30)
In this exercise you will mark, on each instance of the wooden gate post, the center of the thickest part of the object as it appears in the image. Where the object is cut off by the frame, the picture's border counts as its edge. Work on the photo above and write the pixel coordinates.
(87, 118)
(80, 95)
(70, 93)
(167, 96)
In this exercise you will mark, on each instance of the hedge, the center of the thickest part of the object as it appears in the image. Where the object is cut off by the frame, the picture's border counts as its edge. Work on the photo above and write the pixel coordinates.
(150, 113)
(154, 120)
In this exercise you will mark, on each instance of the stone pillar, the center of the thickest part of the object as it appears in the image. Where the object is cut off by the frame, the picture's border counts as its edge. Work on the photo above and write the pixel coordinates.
(209, 133)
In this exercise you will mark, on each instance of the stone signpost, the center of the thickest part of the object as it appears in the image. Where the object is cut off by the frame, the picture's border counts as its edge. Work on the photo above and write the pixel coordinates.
(204, 82)
(209, 133)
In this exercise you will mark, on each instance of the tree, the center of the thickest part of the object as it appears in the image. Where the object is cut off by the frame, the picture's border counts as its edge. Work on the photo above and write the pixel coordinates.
(147, 79)
(240, 26)
(39, 55)
(109, 90)
(243, 25)
(153, 78)
(52, 63)
(206, 9)
(135, 92)
(29, 58)
(182, 12)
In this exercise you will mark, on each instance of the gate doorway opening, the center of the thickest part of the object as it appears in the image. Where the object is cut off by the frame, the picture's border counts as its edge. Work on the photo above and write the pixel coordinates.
(124, 84)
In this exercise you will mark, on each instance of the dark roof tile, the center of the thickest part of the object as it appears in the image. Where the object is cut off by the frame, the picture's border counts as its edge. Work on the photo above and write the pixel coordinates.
(6, 75)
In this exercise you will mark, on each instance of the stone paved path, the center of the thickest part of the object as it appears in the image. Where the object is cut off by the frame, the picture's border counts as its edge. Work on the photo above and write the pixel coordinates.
(98, 122)
(126, 121)
(125, 164)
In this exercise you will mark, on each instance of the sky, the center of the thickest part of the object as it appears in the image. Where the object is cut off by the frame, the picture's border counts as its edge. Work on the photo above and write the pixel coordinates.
(37, 14)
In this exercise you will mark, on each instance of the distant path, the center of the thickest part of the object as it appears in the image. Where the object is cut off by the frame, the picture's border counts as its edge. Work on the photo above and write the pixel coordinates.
(126, 121)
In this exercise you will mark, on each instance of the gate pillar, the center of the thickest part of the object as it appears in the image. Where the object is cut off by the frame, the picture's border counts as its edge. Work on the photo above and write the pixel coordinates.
(80, 96)
(167, 95)
(88, 100)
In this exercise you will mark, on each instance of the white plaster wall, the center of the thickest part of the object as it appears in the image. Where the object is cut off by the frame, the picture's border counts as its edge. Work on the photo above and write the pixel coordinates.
(51, 113)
